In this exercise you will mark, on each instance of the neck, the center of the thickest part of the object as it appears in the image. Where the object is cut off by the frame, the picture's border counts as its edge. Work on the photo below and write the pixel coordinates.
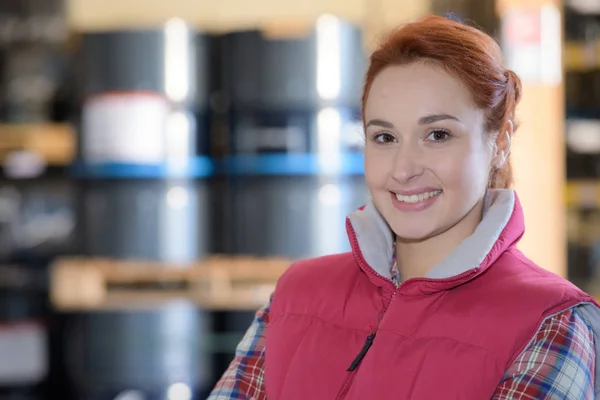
(416, 258)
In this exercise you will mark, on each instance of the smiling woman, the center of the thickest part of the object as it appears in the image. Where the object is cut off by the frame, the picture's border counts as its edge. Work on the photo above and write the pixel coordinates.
(434, 290)
(434, 143)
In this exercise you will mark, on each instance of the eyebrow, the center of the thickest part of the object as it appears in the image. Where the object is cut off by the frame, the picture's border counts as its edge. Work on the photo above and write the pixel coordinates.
(428, 119)
(380, 122)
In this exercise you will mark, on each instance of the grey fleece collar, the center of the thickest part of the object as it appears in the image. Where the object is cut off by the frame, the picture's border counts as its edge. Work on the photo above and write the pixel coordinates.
(375, 237)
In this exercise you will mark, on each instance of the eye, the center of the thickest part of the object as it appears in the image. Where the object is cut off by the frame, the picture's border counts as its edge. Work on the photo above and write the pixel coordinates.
(439, 135)
(383, 138)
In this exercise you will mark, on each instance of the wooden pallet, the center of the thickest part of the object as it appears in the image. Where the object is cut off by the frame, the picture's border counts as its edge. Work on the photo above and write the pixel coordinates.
(54, 143)
(216, 283)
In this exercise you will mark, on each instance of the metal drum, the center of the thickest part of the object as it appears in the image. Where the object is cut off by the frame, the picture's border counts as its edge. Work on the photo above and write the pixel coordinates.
(294, 163)
(143, 148)
(142, 173)
(131, 355)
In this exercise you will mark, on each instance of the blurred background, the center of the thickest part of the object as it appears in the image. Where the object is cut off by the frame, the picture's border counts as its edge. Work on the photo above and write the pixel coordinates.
(162, 163)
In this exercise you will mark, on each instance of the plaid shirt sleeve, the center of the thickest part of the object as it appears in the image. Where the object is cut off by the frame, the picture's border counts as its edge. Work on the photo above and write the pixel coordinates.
(244, 378)
(558, 364)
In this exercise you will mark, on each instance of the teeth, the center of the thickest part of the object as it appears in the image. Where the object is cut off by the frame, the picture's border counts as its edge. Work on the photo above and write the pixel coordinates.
(415, 198)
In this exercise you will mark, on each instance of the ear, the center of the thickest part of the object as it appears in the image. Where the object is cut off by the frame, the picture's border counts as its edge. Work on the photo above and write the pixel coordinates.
(502, 145)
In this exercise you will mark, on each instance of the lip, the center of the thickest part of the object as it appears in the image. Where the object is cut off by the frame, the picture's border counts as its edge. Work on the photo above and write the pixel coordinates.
(414, 191)
(413, 207)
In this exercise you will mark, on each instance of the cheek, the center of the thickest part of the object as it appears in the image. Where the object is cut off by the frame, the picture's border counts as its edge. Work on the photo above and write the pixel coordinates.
(377, 168)
(467, 170)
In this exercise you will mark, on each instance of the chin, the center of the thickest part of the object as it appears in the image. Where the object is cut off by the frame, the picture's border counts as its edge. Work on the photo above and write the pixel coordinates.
(412, 234)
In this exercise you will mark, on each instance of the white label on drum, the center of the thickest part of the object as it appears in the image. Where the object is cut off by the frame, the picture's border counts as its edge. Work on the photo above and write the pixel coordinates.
(23, 354)
(128, 128)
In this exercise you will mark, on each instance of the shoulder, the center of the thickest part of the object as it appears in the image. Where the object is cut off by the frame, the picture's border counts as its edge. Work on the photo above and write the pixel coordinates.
(308, 283)
(515, 289)
(320, 269)
(515, 272)
(522, 265)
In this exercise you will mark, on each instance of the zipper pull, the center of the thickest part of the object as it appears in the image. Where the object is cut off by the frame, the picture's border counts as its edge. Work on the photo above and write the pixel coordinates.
(362, 353)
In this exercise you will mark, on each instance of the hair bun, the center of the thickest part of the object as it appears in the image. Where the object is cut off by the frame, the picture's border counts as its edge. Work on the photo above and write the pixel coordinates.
(514, 84)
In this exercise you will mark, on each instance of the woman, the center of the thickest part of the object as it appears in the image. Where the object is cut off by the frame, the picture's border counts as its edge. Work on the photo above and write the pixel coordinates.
(434, 301)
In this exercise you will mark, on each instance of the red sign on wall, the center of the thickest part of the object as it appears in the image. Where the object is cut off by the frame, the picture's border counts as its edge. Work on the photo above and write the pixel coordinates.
(532, 43)
(524, 29)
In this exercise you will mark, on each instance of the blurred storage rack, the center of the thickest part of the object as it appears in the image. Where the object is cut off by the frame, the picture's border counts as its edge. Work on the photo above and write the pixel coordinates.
(582, 141)
(37, 207)
(143, 193)
(150, 200)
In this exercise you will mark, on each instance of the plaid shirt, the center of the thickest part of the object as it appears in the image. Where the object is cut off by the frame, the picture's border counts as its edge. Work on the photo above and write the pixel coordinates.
(558, 364)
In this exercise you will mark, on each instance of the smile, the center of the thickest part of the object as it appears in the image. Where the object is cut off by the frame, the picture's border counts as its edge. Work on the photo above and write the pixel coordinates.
(417, 198)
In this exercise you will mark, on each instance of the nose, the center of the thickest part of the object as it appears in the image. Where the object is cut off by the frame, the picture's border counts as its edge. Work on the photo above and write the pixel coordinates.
(408, 163)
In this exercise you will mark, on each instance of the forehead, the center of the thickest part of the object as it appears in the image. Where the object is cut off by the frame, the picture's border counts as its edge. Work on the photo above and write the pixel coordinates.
(418, 89)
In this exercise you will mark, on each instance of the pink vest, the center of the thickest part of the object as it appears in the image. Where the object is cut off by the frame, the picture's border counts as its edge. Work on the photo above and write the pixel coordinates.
(340, 329)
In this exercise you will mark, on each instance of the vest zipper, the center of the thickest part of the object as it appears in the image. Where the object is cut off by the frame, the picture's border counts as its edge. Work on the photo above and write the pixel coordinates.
(363, 352)
(352, 369)
(354, 365)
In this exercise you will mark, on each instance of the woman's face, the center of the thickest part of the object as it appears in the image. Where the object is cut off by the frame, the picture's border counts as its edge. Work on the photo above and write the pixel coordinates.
(427, 157)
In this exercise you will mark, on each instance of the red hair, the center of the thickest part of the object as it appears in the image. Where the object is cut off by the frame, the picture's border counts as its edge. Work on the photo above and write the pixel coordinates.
(467, 54)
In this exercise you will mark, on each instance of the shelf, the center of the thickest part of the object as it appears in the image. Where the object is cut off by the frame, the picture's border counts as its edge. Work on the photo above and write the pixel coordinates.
(582, 193)
(581, 57)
